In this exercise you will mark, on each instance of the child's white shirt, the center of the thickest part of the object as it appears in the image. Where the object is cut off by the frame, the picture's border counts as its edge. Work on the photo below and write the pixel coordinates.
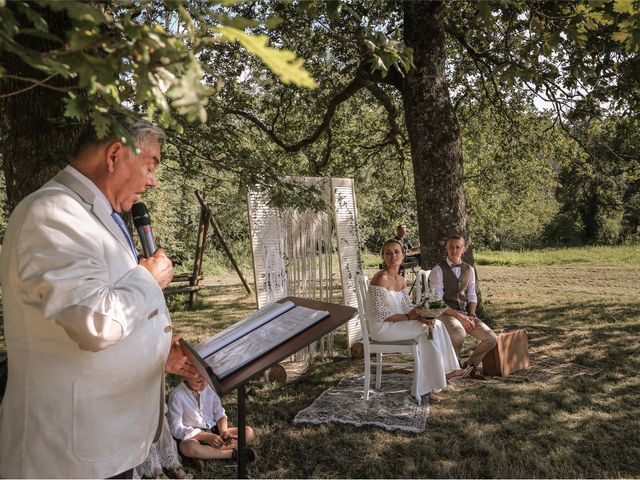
(186, 417)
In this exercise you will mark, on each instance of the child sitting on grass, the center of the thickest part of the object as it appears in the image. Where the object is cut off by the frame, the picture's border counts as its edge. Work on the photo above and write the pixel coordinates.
(198, 421)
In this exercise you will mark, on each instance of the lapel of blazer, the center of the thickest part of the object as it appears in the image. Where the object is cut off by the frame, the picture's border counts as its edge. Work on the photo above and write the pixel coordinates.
(98, 210)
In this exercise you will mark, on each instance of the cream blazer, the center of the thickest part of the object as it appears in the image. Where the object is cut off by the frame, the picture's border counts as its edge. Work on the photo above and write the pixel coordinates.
(87, 333)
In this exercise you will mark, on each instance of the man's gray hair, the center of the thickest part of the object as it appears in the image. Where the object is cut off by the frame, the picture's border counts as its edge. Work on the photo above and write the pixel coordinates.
(138, 129)
(141, 129)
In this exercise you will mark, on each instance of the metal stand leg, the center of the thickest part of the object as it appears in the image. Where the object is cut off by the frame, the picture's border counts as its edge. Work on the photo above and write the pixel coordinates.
(242, 433)
(415, 279)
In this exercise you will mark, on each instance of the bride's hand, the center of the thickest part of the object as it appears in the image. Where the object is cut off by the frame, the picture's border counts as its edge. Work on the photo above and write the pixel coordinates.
(430, 322)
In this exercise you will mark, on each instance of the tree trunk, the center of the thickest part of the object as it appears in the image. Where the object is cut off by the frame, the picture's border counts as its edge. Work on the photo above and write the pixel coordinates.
(36, 138)
(434, 133)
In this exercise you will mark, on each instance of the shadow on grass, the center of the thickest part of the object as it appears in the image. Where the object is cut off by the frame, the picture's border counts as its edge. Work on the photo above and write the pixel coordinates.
(600, 335)
(573, 427)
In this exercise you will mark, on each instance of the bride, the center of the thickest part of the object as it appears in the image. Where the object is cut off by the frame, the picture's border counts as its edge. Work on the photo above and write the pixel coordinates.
(392, 317)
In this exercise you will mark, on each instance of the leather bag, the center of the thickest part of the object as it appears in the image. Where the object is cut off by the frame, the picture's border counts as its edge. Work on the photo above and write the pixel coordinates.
(510, 354)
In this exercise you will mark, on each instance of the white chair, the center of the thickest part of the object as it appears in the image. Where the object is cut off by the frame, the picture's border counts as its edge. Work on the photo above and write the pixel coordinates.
(405, 347)
(421, 287)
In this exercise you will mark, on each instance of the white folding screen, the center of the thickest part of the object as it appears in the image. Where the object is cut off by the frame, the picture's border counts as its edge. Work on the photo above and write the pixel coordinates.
(343, 198)
(293, 249)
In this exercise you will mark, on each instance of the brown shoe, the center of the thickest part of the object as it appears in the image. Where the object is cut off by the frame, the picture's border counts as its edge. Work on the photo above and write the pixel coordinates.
(454, 374)
(475, 374)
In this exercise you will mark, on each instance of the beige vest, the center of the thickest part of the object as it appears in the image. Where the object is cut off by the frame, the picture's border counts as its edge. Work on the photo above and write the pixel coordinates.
(455, 289)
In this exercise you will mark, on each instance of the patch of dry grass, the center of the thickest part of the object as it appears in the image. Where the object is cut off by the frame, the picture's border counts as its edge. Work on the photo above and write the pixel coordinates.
(579, 427)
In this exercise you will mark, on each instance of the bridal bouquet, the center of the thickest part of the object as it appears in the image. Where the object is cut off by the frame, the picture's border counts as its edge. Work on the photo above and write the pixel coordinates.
(431, 307)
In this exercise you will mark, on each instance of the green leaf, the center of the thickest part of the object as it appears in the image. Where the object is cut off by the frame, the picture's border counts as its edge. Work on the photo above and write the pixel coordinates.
(34, 32)
(334, 7)
(34, 17)
(620, 37)
(308, 6)
(273, 22)
(537, 24)
(509, 74)
(101, 123)
(189, 94)
(484, 10)
(238, 22)
(81, 11)
(79, 39)
(9, 24)
(624, 6)
(76, 106)
(230, 3)
(282, 63)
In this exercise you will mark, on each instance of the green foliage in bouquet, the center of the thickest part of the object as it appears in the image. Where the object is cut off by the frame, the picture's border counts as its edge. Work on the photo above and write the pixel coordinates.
(437, 303)
(430, 301)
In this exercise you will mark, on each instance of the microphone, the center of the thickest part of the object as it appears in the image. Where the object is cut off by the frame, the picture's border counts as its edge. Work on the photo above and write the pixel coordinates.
(142, 222)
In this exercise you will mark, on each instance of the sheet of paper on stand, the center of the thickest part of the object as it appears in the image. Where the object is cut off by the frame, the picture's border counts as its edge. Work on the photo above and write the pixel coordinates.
(260, 340)
(241, 328)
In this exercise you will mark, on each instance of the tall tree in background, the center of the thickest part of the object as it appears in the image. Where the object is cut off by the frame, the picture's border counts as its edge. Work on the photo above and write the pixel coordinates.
(35, 135)
(421, 60)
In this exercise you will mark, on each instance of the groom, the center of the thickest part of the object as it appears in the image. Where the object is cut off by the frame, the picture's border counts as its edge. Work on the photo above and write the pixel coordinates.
(454, 282)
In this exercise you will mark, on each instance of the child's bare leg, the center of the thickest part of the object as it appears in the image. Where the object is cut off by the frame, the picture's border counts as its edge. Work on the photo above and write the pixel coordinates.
(193, 449)
(233, 431)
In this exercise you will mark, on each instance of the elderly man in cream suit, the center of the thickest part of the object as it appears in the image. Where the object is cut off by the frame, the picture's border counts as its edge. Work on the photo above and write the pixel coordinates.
(87, 330)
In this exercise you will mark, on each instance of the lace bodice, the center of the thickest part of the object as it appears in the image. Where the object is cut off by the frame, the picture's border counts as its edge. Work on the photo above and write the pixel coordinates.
(382, 303)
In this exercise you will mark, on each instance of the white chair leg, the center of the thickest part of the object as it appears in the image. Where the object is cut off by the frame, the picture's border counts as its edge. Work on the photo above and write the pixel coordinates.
(378, 370)
(367, 376)
(416, 372)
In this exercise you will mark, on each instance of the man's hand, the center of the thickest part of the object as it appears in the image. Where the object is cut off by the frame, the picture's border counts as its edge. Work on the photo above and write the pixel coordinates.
(467, 321)
(160, 267)
(177, 362)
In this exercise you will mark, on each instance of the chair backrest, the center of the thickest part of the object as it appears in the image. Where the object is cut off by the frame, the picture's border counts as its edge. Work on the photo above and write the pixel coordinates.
(362, 287)
(421, 287)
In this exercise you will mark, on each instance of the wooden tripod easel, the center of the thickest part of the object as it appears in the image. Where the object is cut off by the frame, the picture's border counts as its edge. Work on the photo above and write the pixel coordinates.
(195, 276)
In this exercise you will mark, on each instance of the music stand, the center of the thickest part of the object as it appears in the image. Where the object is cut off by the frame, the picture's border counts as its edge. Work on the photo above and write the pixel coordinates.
(338, 315)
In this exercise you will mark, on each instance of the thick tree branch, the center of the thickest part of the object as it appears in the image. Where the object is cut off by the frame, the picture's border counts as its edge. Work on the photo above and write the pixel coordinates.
(395, 131)
(360, 81)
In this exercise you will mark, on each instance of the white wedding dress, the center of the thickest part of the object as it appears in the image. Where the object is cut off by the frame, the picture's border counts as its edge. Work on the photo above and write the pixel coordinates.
(436, 356)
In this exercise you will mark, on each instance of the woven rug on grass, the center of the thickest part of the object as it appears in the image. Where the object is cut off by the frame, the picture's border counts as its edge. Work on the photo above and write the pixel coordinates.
(392, 408)
(542, 368)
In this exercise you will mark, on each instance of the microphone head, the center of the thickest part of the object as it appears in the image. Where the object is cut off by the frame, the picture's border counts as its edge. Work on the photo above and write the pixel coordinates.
(140, 215)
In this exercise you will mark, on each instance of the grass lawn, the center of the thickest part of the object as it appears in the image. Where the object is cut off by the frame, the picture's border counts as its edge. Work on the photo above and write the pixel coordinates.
(582, 305)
